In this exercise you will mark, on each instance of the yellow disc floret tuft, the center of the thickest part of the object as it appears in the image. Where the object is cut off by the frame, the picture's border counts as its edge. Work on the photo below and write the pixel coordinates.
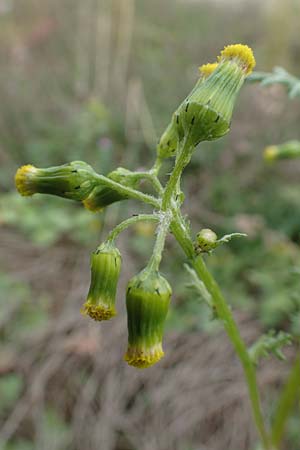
(22, 180)
(98, 312)
(270, 153)
(207, 69)
(240, 52)
(91, 205)
(142, 359)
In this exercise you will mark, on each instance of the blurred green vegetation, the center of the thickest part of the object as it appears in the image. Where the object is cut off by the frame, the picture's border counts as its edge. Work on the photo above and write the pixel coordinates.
(72, 88)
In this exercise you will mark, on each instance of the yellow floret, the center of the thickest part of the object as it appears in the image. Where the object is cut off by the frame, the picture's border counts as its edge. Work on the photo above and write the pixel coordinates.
(270, 152)
(143, 358)
(241, 52)
(98, 312)
(22, 179)
(89, 204)
(207, 69)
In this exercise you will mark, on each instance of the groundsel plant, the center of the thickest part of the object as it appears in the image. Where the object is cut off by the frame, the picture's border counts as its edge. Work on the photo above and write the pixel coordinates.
(205, 114)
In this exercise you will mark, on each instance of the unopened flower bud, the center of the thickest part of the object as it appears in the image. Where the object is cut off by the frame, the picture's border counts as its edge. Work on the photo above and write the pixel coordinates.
(103, 196)
(147, 301)
(206, 113)
(206, 240)
(74, 180)
(288, 150)
(168, 143)
(105, 271)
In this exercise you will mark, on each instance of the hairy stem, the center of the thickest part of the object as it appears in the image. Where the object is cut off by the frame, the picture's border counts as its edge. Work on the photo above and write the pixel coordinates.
(150, 177)
(131, 221)
(162, 232)
(224, 313)
(182, 160)
(156, 166)
(129, 192)
(286, 403)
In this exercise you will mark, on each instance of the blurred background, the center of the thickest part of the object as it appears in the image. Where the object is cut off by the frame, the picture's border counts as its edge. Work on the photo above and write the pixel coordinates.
(98, 80)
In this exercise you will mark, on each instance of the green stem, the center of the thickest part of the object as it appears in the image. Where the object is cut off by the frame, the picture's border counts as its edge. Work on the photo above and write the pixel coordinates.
(156, 166)
(183, 158)
(129, 192)
(224, 313)
(162, 232)
(182, 235)
(286, 402)
(148, 176)
(131, 221)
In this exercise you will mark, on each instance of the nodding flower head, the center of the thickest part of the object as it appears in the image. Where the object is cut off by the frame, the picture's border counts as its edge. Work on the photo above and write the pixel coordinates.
(102, 196)
(105, 271)
(147, 301)
(74, 180)
(206, 113)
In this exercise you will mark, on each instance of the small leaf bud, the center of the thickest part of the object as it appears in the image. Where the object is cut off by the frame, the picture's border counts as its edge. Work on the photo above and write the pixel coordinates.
(206, 240)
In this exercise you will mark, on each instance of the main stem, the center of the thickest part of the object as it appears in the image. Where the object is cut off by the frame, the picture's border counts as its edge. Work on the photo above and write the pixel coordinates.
(224, 313)
(182, 160)
(182, 235)
(286, 402)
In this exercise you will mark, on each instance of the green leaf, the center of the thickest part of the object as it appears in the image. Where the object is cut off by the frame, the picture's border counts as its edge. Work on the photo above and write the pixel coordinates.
(270, 343)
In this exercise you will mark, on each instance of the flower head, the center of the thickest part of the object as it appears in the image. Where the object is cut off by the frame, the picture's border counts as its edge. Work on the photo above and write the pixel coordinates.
(206, 113)
(74, 180)
(105, 271)
(287, 150)
(147, 301)
(102, 196)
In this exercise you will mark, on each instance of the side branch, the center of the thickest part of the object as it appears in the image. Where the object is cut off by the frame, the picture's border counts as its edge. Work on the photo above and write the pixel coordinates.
(131, 221)
(129, 192)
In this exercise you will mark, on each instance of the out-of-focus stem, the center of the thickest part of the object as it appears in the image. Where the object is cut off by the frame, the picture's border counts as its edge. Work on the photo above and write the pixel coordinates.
(286, 402)
(131, 221)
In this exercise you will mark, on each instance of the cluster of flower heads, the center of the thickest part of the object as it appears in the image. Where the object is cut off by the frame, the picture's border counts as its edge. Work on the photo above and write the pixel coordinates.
(205, 114)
